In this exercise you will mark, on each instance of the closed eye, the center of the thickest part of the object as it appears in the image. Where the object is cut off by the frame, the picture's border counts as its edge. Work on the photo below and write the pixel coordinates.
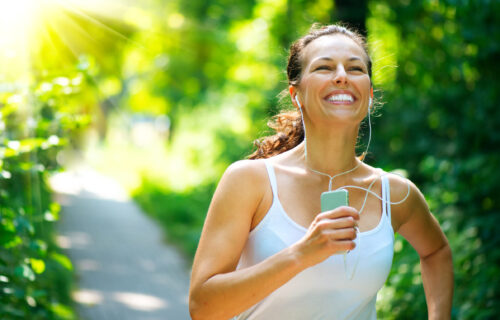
(357, 69)
(326, 67)
(323, 67)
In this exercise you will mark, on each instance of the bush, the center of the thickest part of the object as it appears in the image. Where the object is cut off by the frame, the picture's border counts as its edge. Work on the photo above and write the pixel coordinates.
(35, 277)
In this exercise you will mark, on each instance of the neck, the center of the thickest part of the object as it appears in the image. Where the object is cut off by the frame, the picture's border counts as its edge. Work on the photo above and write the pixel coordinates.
(330, 150)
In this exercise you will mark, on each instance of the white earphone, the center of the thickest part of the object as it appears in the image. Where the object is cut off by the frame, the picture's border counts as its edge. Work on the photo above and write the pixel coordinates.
(297, 100)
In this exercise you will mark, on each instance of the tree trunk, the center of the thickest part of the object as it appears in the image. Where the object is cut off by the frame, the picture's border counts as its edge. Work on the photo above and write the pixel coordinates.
(351, 12)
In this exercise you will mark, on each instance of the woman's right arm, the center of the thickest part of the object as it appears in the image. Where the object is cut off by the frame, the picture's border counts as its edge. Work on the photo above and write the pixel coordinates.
(218, 291)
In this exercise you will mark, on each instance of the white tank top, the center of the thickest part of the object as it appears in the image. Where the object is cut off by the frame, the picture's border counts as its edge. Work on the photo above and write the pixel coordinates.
(322, 291)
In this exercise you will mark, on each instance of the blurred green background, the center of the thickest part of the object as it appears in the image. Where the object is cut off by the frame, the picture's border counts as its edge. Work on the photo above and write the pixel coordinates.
(164, 94)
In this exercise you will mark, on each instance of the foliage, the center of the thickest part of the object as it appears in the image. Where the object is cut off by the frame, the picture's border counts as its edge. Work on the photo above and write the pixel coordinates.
(36, 121)
(439, 123)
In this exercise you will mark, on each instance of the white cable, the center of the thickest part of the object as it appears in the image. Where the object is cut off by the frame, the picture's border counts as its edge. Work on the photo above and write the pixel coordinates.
(330, 183)
(350, 276)
(376, 195)
(368, 191)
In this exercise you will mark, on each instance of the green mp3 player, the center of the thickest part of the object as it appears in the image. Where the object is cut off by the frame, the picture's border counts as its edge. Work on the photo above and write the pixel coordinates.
(333, 199)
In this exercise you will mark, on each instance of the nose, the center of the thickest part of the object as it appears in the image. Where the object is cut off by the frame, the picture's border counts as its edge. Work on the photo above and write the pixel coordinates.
(340, 76)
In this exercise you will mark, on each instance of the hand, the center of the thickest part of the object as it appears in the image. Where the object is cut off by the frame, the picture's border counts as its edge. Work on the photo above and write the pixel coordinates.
(331, 232)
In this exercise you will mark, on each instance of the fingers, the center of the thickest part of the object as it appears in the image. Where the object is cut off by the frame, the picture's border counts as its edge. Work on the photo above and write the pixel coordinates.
(331, 232)
(339, 223)
(340, 234)
(338, 241)
(339, 212)
(337, 228)
(345, 245)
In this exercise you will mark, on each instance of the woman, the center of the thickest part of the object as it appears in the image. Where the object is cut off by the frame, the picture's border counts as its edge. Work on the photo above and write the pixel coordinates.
(267, 252)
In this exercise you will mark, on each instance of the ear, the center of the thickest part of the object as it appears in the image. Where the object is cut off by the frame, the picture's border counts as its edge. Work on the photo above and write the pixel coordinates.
(293, 95)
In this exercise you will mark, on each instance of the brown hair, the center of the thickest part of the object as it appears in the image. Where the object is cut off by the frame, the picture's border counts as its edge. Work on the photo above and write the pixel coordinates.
(288, 124)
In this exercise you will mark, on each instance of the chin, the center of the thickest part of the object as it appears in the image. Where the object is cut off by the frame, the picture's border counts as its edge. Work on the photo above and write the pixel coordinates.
(346, 115)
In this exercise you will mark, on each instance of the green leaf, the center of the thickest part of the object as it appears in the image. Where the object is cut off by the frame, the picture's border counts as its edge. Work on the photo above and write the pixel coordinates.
(39, 246)
(13, 242)
(37, 265)
(22, 224)
(62, 260)
(24, 271)
(62, 311)
(28, 145)
(53, 213)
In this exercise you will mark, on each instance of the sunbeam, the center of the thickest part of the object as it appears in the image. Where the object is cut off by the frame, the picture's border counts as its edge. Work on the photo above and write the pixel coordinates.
(16, 20)
(52, 34)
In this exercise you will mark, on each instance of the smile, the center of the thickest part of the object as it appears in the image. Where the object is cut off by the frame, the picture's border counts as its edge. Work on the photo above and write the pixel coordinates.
(340, 98)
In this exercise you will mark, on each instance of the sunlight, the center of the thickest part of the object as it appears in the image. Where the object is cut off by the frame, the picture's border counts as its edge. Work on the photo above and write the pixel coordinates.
(84, 180)
(89, 297)
(16, 20)
(140, 301)
(47, 34)
(16, 16)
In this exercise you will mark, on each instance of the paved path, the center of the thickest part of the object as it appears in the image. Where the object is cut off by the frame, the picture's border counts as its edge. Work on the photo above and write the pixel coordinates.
(124, 269)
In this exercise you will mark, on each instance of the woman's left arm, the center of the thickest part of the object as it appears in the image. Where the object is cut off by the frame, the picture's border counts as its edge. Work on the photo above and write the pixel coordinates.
(413, 220)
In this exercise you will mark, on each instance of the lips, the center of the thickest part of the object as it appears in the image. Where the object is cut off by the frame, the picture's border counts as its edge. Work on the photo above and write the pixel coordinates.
(340, 97)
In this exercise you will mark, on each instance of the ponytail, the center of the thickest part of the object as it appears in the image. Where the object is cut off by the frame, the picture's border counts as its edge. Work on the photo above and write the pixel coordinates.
(289, 134)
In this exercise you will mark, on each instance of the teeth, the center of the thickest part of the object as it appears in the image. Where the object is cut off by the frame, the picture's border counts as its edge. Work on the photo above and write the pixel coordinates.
(341, 97)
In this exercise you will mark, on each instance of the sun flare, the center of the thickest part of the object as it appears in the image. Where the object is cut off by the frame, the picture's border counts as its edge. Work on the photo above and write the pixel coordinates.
(17, 18)
(17, 15)
(34, 32)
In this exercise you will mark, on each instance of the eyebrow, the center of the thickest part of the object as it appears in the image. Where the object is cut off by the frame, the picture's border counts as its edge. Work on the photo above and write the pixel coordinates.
(330, 59)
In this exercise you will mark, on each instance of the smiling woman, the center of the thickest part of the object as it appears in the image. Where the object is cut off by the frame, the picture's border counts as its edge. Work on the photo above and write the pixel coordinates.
(269, 249)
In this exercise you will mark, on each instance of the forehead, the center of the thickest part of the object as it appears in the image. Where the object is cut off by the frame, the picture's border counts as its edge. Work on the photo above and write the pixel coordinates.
(336, 47)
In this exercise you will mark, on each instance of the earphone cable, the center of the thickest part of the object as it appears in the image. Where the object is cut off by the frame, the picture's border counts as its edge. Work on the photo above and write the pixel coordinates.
(368, 190)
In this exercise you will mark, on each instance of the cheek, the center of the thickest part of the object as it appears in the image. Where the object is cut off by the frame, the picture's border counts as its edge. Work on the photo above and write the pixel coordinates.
(363, 83)
(315, 82)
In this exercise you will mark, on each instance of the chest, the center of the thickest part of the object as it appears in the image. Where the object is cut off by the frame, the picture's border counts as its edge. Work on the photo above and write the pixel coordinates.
(300, 199)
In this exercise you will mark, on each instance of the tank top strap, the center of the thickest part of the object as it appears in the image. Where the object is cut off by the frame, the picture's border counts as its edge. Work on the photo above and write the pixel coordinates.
(272, 177)
(386, 196)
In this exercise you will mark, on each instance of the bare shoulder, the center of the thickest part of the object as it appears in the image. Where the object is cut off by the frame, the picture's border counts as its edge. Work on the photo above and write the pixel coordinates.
(406, 199)
(248, 173)
(228, 220)
(247, 166)
(244, 180)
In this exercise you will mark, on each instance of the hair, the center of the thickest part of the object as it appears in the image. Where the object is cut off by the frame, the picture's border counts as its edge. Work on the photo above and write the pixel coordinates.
(287, 125)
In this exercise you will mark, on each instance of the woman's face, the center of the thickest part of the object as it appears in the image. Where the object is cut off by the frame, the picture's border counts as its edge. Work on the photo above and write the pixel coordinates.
(335, 85)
